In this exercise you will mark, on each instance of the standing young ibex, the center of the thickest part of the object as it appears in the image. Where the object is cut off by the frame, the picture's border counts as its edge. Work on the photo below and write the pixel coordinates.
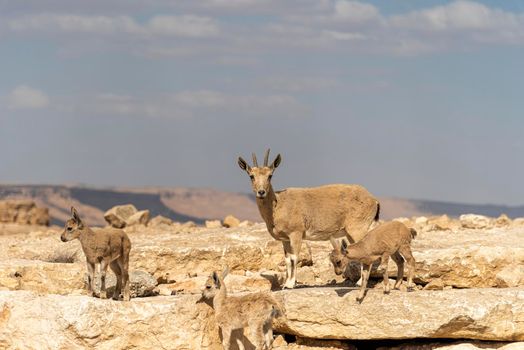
(392, 239)
(254, 311)
(107, 247)
(315, 214)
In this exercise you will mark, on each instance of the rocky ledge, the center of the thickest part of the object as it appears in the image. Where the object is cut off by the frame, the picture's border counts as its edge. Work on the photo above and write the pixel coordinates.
(30, 320)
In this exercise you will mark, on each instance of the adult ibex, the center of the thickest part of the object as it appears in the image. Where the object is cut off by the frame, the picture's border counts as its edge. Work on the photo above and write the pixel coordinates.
(315, 214)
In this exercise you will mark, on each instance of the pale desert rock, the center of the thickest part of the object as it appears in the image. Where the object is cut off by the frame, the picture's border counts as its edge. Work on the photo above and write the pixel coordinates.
(518, 222)
(502, 221)
(42, 277)
(139, 218)
(213, 224)
(118, 215)
(421, 220)
(475, 221)
(80, 322)
(160, 220)
(469, 259)
(22, 211)
(443, 223)
(231, 221)
(141, 283)
(463, 345)
(436, 284)
(235, 284)
(510, 276)
(485, 314)
(462, 258)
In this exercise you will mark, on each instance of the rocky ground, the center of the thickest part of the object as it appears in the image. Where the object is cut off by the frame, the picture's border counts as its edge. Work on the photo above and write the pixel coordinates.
(470, 290)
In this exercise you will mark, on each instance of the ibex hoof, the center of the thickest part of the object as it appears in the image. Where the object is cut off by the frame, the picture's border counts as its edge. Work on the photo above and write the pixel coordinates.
(103, 295)
(288, 286)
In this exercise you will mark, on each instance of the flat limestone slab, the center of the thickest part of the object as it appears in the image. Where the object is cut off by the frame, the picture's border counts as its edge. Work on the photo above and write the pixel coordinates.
(29, 320)
(333, 313)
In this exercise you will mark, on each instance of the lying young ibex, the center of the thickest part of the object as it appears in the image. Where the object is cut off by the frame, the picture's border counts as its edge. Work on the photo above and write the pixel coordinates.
(391, 239)
(254, 311)
(107, 247)
(316, 214)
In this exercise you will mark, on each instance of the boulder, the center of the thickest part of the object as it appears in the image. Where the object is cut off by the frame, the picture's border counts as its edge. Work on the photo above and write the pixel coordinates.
(118, 215)
(23, 211)
(141, 283)
(484, 314)
(475, 221)
(502, 221)
(160, 220)
(231, 221)
(467, 258)
(213, 224)
(139, 218)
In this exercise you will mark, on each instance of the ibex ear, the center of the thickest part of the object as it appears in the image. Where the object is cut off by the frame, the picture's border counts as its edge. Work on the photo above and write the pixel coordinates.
(216, 280)
(243, 164)
(225, 272)
(334, 243)
(344, 246)
(75, 215)
(276, 162)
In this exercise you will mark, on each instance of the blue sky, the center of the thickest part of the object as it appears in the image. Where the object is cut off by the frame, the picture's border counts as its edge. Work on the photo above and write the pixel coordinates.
(416, 99)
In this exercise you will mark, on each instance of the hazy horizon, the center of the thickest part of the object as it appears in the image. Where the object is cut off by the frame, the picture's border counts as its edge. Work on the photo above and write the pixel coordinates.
(418, 100)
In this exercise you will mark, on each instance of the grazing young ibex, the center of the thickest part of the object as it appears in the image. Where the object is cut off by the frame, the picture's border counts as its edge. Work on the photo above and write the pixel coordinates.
(391, 239)
(254, 311)
(107, 247)
(315, 214)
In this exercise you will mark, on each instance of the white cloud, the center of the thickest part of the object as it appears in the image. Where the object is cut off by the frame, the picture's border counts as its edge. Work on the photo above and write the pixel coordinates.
(344, 35)
(184, 25)
(298, 84)
(25, 97)
(197, 103)
(355, 11)
(458, 15)
(188, 26)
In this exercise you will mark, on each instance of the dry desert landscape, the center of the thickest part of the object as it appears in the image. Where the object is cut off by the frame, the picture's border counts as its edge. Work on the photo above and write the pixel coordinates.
(469, 293)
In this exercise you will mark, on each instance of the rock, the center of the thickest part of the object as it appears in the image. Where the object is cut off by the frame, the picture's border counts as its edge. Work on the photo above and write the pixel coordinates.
(436, 284)
(231, 221)
(42, 277)
(139, 218)
(30, 321)
(141, 283)
(510, 276)
(235, 284)
(23, 211)
(462, 345)
(421, 221)
(443, 223)
(465, 258)
(502, 220)
(475, 221)
(487, 314)
(245, 223)
(160, 220)
(213, 224)
(518, 222)
(118, 215)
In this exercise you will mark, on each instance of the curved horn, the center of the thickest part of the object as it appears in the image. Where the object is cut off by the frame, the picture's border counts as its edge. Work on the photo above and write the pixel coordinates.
(266, 158)
(255, 163)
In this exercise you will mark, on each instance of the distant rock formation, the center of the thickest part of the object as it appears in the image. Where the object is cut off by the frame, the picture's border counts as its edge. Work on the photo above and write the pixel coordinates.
(23, 212)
